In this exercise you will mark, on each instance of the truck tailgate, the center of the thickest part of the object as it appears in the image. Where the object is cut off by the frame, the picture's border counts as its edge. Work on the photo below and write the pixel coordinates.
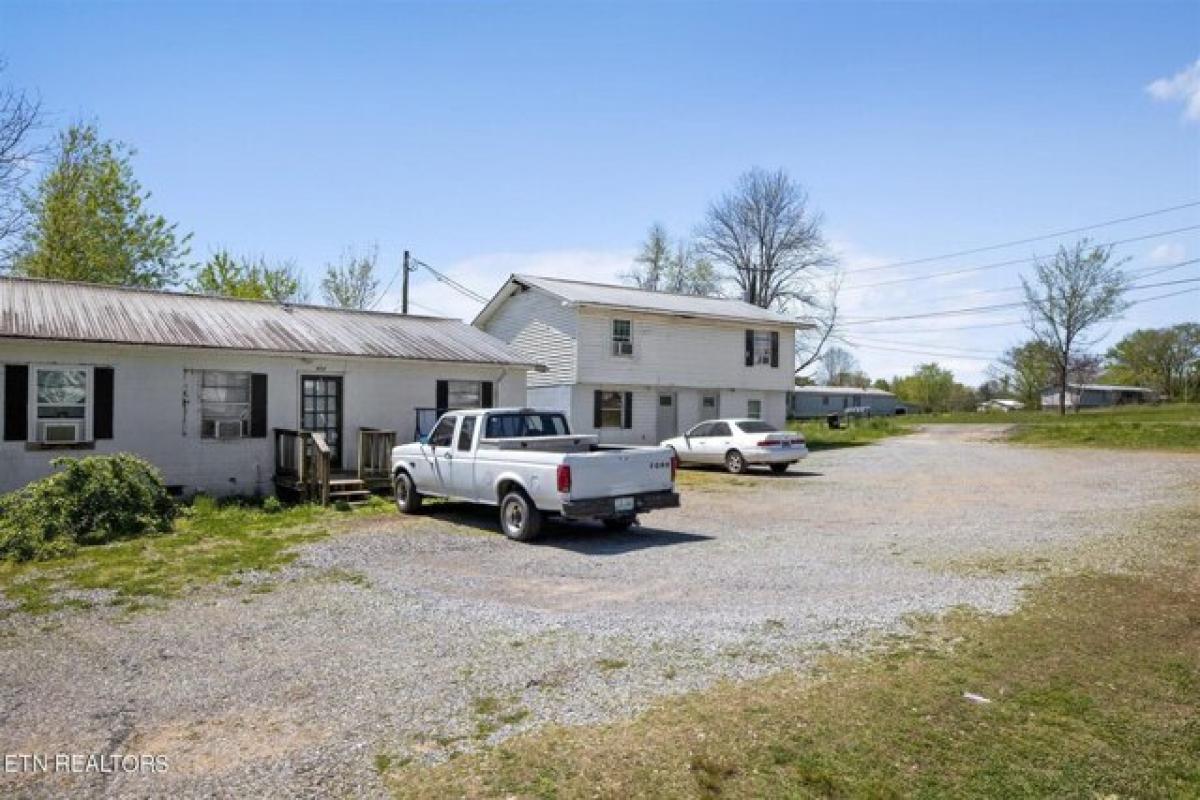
(617, 473)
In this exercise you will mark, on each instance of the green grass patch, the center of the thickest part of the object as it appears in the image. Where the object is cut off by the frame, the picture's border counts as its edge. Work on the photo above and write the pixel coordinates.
(1093, 687)
(1166, 427)
(859, 432)
(210, 542)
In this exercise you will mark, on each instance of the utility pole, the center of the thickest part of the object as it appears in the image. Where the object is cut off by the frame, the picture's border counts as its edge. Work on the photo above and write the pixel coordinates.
(404, 286)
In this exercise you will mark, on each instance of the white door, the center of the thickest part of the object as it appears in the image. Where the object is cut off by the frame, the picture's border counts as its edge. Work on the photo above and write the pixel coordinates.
(718, 442)
(710, 405)
(439, 456)
(459, 462)
(693, 443)
(666, 426)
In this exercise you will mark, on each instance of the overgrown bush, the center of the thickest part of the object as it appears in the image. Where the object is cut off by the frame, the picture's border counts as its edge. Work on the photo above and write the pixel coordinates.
(87, 501)
(272, 505)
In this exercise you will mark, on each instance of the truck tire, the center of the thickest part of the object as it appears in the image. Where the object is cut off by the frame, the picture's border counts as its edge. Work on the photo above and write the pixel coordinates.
(735, 462)
(408, 499)
(519, 518)
(619, 524)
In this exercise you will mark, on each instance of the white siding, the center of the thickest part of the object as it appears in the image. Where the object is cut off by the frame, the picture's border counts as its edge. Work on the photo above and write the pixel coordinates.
(669, 351)
(152, 419)
(541, 327)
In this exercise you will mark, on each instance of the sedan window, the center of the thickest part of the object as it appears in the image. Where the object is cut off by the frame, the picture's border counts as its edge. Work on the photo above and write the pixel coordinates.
(719, 429)
(703, 429)
(755, 426)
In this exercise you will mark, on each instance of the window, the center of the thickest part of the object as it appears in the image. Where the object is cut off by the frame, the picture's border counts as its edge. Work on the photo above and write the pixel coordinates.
(703, 429)
(755, 426)
(622, 337)
(464, 394)
(466, 433)
(708, 405)
(61, 404)
(754, 409)
(443, 434)
(719, 429)
(510, 426)
(224, 405)
(824, 399)
(612, 409)
(762, 348)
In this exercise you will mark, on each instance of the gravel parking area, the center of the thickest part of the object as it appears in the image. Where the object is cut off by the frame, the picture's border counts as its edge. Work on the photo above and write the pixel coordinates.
(412, 639)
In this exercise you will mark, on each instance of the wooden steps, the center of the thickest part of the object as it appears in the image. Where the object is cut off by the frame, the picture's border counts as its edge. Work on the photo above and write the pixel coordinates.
(348, 490)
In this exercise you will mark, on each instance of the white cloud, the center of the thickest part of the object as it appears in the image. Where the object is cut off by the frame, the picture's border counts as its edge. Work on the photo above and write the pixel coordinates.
(1184, 86)
(1167, 253)
(486, 272)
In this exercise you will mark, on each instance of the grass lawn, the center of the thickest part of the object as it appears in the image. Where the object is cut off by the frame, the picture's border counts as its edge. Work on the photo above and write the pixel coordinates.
(820, 436)
(1166, 427)
(1093, 687)
(210, 542)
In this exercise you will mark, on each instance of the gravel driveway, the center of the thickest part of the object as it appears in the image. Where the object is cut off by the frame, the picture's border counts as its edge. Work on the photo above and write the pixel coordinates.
(410, 639)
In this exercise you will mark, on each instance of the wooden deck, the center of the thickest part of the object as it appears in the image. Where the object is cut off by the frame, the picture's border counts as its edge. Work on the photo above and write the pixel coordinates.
(303, 467)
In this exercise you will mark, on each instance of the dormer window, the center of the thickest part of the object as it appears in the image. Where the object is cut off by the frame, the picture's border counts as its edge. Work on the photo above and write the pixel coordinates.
(622, 337)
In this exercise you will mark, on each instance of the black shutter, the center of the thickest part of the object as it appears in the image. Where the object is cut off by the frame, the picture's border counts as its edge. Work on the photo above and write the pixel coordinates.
(749, 348)
(102, 403)
(628, 422)
(258, 405)
(596, 409)
(443, 397)
(488, 397)
(16, 402)
(774, 348)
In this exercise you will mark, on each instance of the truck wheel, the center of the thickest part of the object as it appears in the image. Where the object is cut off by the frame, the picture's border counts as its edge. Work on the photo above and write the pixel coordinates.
(779, 469)
(619, 524)
(735, 462)
(408, 499)
(519, 518)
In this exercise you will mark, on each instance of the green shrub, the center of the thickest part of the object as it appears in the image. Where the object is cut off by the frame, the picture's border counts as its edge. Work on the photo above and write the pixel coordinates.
(271, 505)
(88, 501)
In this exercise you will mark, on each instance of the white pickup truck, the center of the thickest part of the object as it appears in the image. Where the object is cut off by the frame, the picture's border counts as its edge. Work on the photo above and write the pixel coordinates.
(529, 464)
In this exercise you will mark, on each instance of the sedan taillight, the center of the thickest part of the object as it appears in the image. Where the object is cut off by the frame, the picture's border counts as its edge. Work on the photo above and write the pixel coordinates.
(563, 478)
(768, 443)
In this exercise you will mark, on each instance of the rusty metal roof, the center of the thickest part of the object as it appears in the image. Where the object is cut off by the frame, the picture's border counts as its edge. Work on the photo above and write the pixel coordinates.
(83, 312)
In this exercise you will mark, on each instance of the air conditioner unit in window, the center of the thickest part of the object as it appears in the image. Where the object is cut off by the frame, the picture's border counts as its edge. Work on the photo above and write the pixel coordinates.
(622, 348)
(229, 429)
(60, 431)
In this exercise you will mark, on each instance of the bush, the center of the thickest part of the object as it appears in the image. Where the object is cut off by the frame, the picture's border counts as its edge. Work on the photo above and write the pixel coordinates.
(271, 505)
(88, 501)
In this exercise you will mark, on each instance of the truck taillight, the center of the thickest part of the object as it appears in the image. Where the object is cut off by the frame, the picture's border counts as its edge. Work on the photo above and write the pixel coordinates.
(564, 478)
(674, 467)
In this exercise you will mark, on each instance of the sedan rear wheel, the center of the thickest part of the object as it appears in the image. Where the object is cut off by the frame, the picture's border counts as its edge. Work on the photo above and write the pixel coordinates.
(735, 462)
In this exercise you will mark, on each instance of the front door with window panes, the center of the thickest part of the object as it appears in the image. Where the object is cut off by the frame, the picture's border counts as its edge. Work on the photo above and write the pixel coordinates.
(321, 411)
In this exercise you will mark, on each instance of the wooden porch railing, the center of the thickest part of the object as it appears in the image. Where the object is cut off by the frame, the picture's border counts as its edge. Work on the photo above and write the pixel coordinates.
(303, 463)
(375, 454)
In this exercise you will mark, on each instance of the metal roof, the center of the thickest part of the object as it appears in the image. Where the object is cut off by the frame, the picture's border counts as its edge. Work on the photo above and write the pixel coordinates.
(83, 312)
(819, 390)
(627, 297)
(1101, 387)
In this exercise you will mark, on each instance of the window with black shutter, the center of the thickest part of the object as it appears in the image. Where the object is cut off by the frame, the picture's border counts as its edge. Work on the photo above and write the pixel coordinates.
(102, 403)
(16, 398)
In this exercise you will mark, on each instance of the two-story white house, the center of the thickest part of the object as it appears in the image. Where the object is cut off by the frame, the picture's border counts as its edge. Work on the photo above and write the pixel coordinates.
(637, 367)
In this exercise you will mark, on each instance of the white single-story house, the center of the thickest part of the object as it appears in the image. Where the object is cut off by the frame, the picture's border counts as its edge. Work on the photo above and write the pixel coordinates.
(1097, 395)
(809, 402)
(999, 404)
(203, 386)
(637, 367)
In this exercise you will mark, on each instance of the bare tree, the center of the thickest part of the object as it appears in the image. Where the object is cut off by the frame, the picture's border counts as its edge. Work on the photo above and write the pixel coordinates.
(768, 239)
(352, 283)
(20, 116)
(689, 272)
(822, 315)
(837, 363)
(652, 262)
(1068, 296)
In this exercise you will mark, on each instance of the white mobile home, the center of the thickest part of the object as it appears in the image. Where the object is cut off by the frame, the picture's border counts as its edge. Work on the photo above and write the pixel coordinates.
(637, 367)
(1097, 395)
(205, 387)
(809, 402)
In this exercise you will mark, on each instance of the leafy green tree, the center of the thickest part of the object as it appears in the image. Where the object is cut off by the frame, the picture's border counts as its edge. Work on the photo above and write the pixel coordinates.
(933, 388)
(89, 221)
(351, 283)
(680, 268)
(1162, 358)
(882, 385)
(652, 261)
(249, 279)
(1027, 370)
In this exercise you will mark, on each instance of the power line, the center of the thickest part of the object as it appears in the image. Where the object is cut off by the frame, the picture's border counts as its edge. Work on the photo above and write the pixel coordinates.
(993, 307)
(1009, 263)
(1028, 240)
(442, 277)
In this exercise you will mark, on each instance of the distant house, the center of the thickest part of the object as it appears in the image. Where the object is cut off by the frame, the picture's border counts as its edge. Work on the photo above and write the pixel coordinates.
(1000, 404)
(807, 402)
(205, 387)
(637, 367)
(1097, 395)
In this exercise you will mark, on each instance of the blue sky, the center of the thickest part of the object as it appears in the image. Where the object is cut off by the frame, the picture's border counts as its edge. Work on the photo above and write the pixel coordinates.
(547, 137)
